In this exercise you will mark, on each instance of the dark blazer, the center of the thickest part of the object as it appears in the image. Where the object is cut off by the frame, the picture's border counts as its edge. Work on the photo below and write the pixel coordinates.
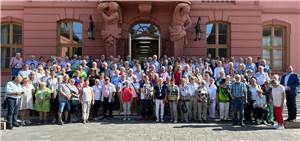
(164, 91)
(293, 82)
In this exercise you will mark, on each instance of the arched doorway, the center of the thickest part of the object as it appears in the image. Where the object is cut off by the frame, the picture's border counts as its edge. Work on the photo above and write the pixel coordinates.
(144, 40)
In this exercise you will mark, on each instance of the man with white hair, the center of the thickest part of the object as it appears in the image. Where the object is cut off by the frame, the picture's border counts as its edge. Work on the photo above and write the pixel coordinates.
(13, 91)
(261, 76)
(239, 97)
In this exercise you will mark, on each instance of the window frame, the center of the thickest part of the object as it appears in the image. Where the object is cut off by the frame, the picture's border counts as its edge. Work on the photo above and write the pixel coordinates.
(71, 45)
(218, 46)
(11, 44)
(272, 47)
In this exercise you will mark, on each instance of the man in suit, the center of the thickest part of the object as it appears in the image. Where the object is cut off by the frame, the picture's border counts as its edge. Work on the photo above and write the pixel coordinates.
(291, 82)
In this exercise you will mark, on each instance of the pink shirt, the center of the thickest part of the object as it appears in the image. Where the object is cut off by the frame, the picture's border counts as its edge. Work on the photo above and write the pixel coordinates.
(106, 91)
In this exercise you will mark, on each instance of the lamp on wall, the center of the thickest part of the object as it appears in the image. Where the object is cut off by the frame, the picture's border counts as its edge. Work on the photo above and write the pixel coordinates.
(91, 29)
(198, 30)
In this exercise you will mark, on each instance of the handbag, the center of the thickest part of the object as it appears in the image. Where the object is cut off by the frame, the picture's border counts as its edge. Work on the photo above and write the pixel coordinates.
(184, 107)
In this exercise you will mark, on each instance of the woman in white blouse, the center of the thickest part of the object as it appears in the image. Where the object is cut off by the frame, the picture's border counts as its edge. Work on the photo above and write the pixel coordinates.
(86, 99)
(26, 101)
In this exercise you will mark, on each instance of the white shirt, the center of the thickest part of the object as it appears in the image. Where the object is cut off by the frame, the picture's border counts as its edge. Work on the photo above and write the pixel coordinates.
(261, 77)
(24, 73)
(87, 94)
(286, 79)
(217, 71)
(193, 88)
(253, 91)
(260, 101)
(97, 91)
(212, 91)
(12, 87)
(184, 90)
(147, 89)
(277, 95)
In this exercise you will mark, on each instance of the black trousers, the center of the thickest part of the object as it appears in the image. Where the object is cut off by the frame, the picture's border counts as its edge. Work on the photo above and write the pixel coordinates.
(107, 106)
(260, 113)
(291, 105)
(146, 108)
(248, 111)
(54, 106)
(95, 108)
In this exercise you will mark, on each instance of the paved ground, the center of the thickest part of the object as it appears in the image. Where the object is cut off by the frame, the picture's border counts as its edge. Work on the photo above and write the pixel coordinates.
(136, 130)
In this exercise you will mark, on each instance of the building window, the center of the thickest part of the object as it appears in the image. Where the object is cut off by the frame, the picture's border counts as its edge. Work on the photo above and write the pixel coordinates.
(274, 46)
(11, 42)
(70, 35)
(217, 39)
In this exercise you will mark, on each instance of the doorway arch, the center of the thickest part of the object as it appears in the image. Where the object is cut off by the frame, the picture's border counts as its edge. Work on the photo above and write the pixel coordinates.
(144, 40)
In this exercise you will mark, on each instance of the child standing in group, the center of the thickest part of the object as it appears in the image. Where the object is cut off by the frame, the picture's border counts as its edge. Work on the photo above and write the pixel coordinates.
(127, 97)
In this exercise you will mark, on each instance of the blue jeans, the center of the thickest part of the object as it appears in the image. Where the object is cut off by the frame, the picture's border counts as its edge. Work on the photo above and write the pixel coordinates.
(64, 106)
(13, 106)
(238, 107)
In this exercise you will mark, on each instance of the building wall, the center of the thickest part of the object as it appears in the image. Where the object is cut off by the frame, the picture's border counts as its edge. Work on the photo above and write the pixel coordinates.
(246, 19)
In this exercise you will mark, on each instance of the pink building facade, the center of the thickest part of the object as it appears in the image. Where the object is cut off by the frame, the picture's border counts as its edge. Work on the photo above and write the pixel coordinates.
(269, 29)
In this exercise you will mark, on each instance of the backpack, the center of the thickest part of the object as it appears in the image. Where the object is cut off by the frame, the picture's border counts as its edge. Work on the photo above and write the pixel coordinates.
(184, 107)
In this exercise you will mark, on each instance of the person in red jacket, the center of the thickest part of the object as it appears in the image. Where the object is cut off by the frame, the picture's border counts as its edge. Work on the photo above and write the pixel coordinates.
(178, 75)
(127, 96)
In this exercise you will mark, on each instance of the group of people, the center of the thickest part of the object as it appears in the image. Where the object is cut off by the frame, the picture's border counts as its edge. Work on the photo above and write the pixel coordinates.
(184, 89)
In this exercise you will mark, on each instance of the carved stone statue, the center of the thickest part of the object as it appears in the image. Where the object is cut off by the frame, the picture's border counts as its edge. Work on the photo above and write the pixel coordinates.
(112, 16)
(180, 22)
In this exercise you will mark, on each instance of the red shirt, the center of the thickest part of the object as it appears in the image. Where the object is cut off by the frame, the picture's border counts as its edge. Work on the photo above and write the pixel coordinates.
(127, 94)
(177, 77)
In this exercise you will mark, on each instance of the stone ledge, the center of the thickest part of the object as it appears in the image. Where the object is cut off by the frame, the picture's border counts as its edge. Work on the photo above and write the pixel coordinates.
(290, 125)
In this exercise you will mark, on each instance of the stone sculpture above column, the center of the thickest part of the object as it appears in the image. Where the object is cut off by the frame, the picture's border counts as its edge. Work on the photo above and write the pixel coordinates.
(111, 13)
(180, 22)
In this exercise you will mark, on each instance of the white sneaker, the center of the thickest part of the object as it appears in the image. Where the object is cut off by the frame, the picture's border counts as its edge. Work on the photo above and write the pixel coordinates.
(280, 127)
(175, 121)
(157, 120)
(124, 118)
(275, 126)
(162, 120)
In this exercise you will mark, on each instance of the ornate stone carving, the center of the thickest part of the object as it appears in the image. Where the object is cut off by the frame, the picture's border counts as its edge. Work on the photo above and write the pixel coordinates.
(111, 13)
(180, 22)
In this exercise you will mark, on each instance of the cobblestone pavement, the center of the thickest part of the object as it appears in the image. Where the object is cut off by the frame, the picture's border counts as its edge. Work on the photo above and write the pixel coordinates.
(140, 131)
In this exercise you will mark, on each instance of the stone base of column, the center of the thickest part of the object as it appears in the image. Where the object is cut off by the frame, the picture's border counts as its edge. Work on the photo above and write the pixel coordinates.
(178, 47)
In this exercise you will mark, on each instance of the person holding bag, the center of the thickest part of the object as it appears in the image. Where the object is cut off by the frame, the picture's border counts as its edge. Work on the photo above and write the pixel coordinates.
(75, 103)
(202, 99)
(184, 100)
(173, 97)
